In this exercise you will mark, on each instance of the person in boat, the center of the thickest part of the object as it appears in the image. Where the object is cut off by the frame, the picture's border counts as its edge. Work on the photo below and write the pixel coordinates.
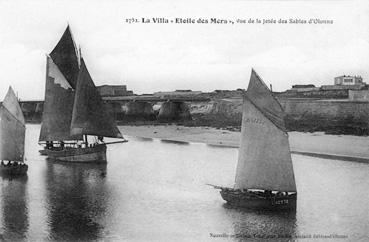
(62, 144)
(268, 193)
(101, 139)
(245, 190)
(50, 144)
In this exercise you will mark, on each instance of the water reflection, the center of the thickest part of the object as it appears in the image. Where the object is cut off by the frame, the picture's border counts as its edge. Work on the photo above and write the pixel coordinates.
(155, 191)
(77, 198)
(262, 224)
(14, 201)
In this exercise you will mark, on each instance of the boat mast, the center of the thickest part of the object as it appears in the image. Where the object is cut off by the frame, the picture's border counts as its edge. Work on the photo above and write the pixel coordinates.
(86, 140)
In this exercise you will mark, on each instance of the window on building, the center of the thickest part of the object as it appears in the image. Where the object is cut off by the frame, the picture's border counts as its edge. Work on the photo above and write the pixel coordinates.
(348, 80)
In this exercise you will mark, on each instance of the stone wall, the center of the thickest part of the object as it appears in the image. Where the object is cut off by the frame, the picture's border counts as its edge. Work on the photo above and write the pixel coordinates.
(221, 113)
(174, 111)
(318, 94)
(325, 108)
(332, 116)
(359, 95)
(139, 111)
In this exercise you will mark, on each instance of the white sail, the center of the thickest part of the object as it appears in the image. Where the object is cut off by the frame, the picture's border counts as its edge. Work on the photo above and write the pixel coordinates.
(264, 160)
(11, 104)
(12, 129)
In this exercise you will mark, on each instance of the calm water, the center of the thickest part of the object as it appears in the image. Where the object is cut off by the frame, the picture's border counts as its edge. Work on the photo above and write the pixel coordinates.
(154, 190)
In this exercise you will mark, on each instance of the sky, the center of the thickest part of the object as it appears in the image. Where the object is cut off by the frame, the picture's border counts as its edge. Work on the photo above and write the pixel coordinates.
(165, 57)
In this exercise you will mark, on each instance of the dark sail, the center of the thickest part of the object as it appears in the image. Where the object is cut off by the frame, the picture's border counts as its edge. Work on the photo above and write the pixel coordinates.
(58, 106)
(90, 116)
(12, 129)
(259, 94)
(65, 57)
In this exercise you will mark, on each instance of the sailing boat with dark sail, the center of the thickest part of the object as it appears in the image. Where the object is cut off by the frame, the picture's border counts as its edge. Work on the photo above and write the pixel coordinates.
(74, 112)
(62, 67)
(12, 136)
(264, 175)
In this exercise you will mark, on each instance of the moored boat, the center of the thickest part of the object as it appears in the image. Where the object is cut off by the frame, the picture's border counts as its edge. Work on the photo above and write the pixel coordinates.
(258, 199)
(264, 175)
(12, 136)
(96, 154)
(75, 119)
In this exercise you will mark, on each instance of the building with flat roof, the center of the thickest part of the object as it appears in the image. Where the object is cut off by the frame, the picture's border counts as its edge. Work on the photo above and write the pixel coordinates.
(114, 90)
(177, 93)
(304, 88)
(348, 80)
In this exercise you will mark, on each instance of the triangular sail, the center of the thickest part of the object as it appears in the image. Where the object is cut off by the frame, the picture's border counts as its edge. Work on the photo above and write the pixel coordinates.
(58, 106)
(90, 116)
(66, 58)
(12, 129)
(264, 160)
(12, 105)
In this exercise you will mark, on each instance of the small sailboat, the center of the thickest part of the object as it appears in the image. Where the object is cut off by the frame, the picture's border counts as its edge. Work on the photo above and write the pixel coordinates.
(12, 136)
(74, 112)
(264, 174)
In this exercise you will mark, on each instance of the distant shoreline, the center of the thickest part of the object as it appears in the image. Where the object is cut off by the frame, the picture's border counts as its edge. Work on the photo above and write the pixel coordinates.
(338, 147)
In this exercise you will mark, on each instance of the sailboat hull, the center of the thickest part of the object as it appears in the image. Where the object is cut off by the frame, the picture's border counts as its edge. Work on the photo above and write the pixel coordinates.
(46, 151)
(14, 170)
(96, 154)
(237, 198)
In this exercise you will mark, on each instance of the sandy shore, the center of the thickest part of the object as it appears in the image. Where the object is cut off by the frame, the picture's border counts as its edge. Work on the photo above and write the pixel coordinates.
(343, 147)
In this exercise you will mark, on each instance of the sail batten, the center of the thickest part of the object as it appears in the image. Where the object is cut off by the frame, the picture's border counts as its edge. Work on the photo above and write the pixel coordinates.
(264, 160)
(12, 129)
(90, 116)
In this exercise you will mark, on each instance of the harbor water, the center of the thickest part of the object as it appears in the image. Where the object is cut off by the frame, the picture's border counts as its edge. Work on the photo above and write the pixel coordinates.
(154, 190)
